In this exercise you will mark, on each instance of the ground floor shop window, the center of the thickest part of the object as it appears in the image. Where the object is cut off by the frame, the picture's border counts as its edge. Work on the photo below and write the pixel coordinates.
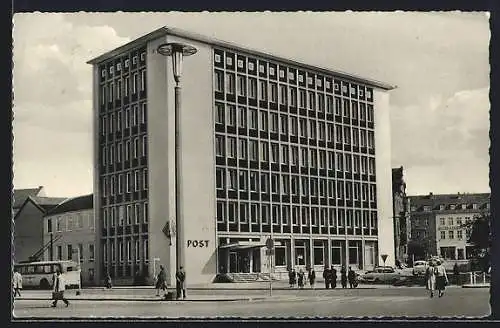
(280, 256)
(319, 253)
(460, 254)
(448, 253)
(300, 253)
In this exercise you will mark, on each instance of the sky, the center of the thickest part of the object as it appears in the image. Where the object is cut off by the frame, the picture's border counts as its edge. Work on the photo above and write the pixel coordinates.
(438, 60)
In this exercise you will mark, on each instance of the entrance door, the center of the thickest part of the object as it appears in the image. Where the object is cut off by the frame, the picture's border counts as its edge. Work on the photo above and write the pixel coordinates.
(233, 262)
(256, 260)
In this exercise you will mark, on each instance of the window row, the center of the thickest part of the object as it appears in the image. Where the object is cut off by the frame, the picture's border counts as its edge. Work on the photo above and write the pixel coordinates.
(264, 69)
(117, 216)
(290, 125)
(282, 94)
(123, 119)
(72, 253)
(123, 87)
(264, 151)
(118, 184)
(458, 221)
(70, 222)
(129, 250)
(451, 234)
(258, 213)
(117, 67)
(284, 184)
(124, 150)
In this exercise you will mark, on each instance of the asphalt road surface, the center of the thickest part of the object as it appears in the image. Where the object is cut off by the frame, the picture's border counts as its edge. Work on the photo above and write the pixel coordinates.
(411, 302)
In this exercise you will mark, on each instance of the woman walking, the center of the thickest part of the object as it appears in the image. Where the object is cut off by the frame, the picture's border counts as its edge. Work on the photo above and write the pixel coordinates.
(430, 277)
(312, 277)
(292, 278)
(301, 279)
(161, 281)
(343, 277)
(441, 278)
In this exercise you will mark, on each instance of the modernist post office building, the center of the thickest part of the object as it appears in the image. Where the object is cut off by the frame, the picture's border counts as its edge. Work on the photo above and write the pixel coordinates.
(269, 146)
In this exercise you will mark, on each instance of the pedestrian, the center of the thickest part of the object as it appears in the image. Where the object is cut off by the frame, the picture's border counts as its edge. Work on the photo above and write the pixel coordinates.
(17, 282)
(326, 276)
(430, 278)
(441, 278)
(58, 289)
(161, 281)
(292, 278)
(333, 277)
(351, 276)
(312, 277)
(108, 281)
(456, 274)
(301, 279)
(343, 277)
(181, 283)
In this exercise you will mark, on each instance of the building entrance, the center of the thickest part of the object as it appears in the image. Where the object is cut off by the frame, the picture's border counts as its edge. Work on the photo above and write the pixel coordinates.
(240, 258)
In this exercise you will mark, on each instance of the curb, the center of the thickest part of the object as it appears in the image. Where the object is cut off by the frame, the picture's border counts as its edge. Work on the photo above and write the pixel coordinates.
(147, 299)
(476, 286)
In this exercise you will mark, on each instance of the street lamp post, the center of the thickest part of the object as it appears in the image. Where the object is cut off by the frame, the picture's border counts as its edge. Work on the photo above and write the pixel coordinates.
(177, 51)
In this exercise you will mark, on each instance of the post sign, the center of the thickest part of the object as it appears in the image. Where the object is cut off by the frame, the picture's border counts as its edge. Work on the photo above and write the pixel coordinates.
(270, 243)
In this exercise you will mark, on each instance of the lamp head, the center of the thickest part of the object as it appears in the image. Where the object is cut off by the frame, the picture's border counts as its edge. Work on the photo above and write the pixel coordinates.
(177, 51)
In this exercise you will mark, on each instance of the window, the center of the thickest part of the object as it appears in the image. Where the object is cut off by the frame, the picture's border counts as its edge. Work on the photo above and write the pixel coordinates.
(274, 153)
(264, 147)
(137, 250)
(231, 115)
(221, 212)
(265, 213)
(319, 254)
(137, 213)
(242, 151)
(263, 121)
(264, 183)
(70, 252)
(294, 150)
(134, 83)
(129, 214)
(219, 81)
(91, 221)
(219, 145)
(243, 180)
(59, 253)
(442, 221)
(450, 221)
(146, 249)
(451, 234)
(219, 178)
(230, 86)
(242, 86)
(274, 122)
(262, 90)
(253, 150)
(232, 212)
(284, 154)
(253, 119)
(143, 80)
(303, 127)
(146, 212)
(280, 256)
(128, 253)
(273, 92)
(275, 214)
(311, 100)
(252, 88)
(49, 225)
(254, 181)
(274, 183)
(459, 234)
(231, 147)
(231, 179)
(293, 97)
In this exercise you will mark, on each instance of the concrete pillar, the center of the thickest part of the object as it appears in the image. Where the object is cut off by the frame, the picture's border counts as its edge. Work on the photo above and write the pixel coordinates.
(329, 252)
(363, 254)
(292, 253)
(311, 253)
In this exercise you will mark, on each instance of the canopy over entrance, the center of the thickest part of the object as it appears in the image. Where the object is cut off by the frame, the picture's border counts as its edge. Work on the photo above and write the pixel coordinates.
(242, 245)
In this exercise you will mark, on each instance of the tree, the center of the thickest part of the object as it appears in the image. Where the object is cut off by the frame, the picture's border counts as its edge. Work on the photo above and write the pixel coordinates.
(479, 236)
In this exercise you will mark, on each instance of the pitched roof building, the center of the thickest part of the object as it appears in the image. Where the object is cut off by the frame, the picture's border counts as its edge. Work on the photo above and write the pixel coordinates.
(20, 196)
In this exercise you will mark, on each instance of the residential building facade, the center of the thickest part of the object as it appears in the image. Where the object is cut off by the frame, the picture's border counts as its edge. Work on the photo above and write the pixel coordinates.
(270, 148)
(401, 215)
(69, 229)
(437, 222)
(28, 226)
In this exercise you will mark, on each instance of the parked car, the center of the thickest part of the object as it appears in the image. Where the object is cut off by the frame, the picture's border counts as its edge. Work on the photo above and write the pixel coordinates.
(381, 274)
(419, 268)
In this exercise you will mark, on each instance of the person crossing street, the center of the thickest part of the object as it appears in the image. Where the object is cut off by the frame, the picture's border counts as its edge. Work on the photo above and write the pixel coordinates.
(58, 289)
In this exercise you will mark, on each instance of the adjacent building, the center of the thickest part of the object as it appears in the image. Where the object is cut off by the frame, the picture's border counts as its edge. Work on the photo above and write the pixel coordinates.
(69, 232)
(20, 196)
(270, 147)
(401, 212)
(437, 223)
(28, 227)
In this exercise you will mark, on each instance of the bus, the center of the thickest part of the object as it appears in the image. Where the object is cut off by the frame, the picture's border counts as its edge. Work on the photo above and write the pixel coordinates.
(41, 274)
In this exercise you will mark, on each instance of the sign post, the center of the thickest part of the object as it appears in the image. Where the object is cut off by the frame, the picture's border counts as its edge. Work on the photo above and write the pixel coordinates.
(270, 252)
(384, 258)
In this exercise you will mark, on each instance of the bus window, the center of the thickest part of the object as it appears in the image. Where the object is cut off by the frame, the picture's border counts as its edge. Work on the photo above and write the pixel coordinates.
(30, 269)
(39, 269)
(69, 268)
(58, 267)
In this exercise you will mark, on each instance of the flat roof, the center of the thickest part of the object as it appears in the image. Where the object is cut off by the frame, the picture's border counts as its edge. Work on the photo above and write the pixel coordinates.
(211, 41)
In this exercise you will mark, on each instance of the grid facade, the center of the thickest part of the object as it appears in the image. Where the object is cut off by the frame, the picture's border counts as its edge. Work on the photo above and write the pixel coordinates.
(123, 158)
(295, 151)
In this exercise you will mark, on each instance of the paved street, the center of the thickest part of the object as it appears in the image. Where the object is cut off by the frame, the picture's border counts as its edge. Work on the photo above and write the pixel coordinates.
(413, 302)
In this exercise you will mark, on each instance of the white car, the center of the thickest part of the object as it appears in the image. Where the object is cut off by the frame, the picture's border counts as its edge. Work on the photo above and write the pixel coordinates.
(419, 268)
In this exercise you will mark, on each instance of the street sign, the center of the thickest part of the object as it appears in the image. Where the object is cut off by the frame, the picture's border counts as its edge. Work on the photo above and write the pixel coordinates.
(270, 243)
(384, 257)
